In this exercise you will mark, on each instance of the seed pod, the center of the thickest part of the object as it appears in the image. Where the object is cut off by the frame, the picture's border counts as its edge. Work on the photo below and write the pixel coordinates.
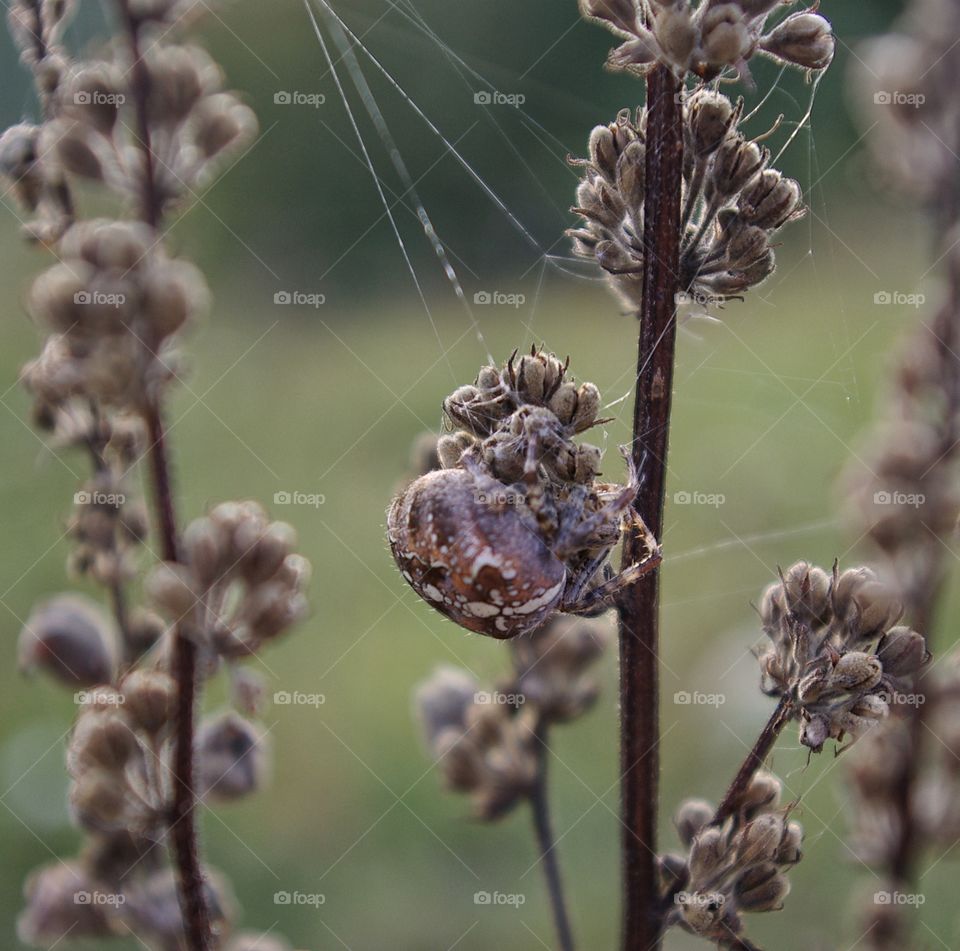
(709, 116)
(603, 151)
(149, 700)
(106, 742)
(807, 592)
(451, 447)
(690, 819)
(856, 671)
(735, 164)
(762, 891)
(231, 757)
(760, 839)
(171, 587)
(636, 54)
(588, 407)
(530, 380)
(222, 122)
(619, 14)
(708, 853)
(631, 174)
(724, 38)
(902, 652)
(815, 732)
(804, 39)
(563, 403)
(587, 463)
(763, 792)
(789, 851)
(99, 803)
(70, 638)
(770, 201)
(442, 701)
(53, 910)
(676, 33)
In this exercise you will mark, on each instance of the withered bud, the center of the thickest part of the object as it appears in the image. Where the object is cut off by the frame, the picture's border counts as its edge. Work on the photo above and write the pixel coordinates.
(807, 591)
(70, 638)
(724, 37)
(106, 742)
(770, 201)
(452, 446)
(631, 173)
(790, 850)
(902, 652)
(171, 587)
(804, 39)
(760, 839)
(762, 888)
(636, 53)
(709, 852)
(736, 163)
(231, 757)
(53, 911)
(856, 671)
(619, 14)
(149, 699)
(676, 33)
(709, 116)
(442, 701)
(691, 818)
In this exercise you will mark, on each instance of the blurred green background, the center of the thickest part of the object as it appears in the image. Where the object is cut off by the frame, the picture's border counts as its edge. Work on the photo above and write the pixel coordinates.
(770, 404)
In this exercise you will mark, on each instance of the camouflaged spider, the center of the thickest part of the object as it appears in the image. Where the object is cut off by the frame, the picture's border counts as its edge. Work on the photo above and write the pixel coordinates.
(498, 559)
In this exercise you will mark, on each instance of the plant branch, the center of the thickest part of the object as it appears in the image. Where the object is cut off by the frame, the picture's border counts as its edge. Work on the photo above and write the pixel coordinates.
(183, 825)
(547, 844)
(640, 604)
(182, 820)
(780, 717)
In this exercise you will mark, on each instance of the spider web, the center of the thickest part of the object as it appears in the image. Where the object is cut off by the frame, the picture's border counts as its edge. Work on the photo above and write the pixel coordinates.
(349, 57)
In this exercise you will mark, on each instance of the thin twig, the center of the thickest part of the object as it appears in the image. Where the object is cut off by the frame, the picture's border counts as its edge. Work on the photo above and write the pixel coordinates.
(780, 717)
(640, 604)
(547, 844)
(183, 825)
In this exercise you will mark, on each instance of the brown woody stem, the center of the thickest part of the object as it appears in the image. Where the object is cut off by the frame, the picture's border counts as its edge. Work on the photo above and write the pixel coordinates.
(183, 832)
(639, 606)
(780, 717)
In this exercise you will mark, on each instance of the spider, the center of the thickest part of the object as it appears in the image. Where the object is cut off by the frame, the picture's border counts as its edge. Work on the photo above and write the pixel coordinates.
(499, 559)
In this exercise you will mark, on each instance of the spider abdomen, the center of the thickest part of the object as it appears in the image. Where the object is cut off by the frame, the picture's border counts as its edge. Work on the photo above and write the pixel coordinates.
(472, 554)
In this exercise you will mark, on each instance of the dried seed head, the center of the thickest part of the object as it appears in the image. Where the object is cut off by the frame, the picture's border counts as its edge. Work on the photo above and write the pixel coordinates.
(231, 757)
(443, 700)
(762, 889)
(760, 839)
(902, 652)
(709, 852)
(676, 34)
(770, 201)
(807, 592)
(856, 671)
(710, 116)
(149, 700)
(70, 638)
(724, 37)
(804, 39)
(621, 15)
(691, 818)
(104, 742)
(52, 908)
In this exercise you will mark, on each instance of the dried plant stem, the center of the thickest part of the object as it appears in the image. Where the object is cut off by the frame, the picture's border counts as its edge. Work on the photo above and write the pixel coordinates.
(183, 825)
(780, 717)
(546, 843)
(640, 604)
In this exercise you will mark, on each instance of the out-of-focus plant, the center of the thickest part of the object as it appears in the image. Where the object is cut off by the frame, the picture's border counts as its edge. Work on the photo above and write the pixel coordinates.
(148, 122)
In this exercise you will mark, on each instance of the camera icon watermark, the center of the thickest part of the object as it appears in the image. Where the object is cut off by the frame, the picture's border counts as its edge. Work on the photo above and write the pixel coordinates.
(697, 698)
(714, 499)
(499, 299)
(299, 299)
(99, 899)
(511, 899)
(113, 500)
(499, 698)
(898, 98)
(911, 499)
(312, 499)
(310, 899)
(899, 898)
(496, 98)
(99, 299)
(97, 97)
(298, 698)
(294, 98)
(899, 298)
(98, 698)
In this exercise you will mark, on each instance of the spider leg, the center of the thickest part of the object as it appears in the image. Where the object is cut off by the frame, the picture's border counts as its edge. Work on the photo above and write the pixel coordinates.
(607, 591)
(537, 499)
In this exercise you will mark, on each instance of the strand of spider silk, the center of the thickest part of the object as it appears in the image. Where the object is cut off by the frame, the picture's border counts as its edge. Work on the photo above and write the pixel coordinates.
(379, 187)
(806, 117)
(487, 190)
(463, 69)
(406, 179)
